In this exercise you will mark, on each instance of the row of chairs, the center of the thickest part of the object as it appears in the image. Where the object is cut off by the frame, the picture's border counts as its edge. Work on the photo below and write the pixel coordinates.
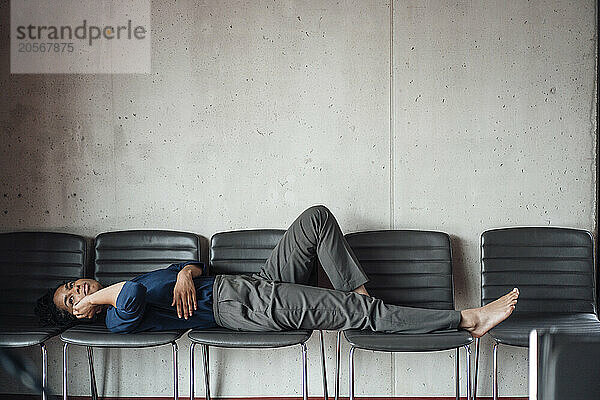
(553, 267)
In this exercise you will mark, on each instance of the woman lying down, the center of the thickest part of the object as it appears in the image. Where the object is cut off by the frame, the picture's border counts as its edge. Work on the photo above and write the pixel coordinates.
(278, 297)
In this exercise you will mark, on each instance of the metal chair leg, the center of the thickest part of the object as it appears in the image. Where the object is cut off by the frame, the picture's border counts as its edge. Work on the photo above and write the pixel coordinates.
(323, 369)
(468, 361)
(476, 369)
(457, 374)
(304, 373)
(175, 373)
(192, 346)
(337, 365)
(44, 370)
(495, 373)
(65, 361)
(205, 365)
(93, 388)
(351, 373)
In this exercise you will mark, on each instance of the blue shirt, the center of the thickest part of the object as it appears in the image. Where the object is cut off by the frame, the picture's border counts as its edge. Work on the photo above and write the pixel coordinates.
(144, 303)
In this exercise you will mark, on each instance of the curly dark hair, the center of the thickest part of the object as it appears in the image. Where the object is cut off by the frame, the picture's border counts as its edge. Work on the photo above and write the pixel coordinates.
(50, 315)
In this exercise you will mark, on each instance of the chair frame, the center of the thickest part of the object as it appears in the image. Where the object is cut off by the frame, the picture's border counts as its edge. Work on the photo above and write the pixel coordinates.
(353, 348)
(206, 367)
(93, 387)
(497, 343)
(206, 360)
(206, 351)
(351, 379)
(43, 348)
(495, 368)
(44, 369)
(90, 356)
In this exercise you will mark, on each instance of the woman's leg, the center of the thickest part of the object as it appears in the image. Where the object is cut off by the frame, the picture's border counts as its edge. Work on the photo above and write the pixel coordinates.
(254, 304)
(251, 304)
(314, 234)
(301, 307)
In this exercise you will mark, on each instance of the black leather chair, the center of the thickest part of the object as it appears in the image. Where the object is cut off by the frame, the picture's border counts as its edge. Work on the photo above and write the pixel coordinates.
(410, 268)
(245, 252)
(121, 256)
(554, 271)
(30, 264)
(563, 365)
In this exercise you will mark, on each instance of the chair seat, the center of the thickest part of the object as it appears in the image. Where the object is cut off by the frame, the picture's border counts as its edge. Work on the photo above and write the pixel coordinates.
(223, 337)
(398, 342)
(515, 330)
(23, 332)
(97, 335)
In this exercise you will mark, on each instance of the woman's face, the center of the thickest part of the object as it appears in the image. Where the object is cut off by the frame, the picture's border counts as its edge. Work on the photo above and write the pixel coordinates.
(69, 294)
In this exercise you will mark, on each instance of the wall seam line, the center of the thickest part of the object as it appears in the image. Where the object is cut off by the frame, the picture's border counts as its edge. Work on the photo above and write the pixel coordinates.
(391, 116)
(391, 173)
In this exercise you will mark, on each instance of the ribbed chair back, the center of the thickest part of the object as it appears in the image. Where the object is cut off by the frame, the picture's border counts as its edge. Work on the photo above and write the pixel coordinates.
(123, 255)
(33, 262)
(552, 267)
(243, 251)
(246, 251)
(406, 267)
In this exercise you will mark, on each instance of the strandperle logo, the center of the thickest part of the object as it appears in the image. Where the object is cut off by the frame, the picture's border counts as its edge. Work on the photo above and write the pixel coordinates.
(82, 32)
(80, 36)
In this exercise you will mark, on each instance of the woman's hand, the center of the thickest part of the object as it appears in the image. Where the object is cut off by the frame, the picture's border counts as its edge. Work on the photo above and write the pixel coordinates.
(184, 294)
(85, 309)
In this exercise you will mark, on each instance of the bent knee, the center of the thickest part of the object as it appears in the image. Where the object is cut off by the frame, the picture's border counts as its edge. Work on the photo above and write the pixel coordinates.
(319, 209)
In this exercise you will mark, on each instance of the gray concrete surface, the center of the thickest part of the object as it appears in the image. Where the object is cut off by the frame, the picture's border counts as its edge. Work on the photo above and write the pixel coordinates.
(256, 110)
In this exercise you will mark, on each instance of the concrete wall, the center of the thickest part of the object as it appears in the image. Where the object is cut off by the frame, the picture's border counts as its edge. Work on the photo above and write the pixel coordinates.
(257, 110)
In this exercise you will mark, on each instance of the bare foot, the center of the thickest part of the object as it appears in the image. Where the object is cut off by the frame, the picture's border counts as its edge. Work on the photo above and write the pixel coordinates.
(480, 320)
(361, 290)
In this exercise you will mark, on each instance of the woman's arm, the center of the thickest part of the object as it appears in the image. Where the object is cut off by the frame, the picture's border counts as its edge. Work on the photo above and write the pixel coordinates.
(193, 269)
(107, 295)
(93, 303)
(184, 293)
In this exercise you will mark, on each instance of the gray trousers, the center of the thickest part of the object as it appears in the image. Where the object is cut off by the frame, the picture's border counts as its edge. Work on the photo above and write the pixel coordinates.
(278, 297)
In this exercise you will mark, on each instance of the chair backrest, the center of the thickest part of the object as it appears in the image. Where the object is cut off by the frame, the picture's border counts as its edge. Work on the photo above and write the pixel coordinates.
(406, 267)
(243, 251)
(552, 267)
(124, 255)
(33, 262)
